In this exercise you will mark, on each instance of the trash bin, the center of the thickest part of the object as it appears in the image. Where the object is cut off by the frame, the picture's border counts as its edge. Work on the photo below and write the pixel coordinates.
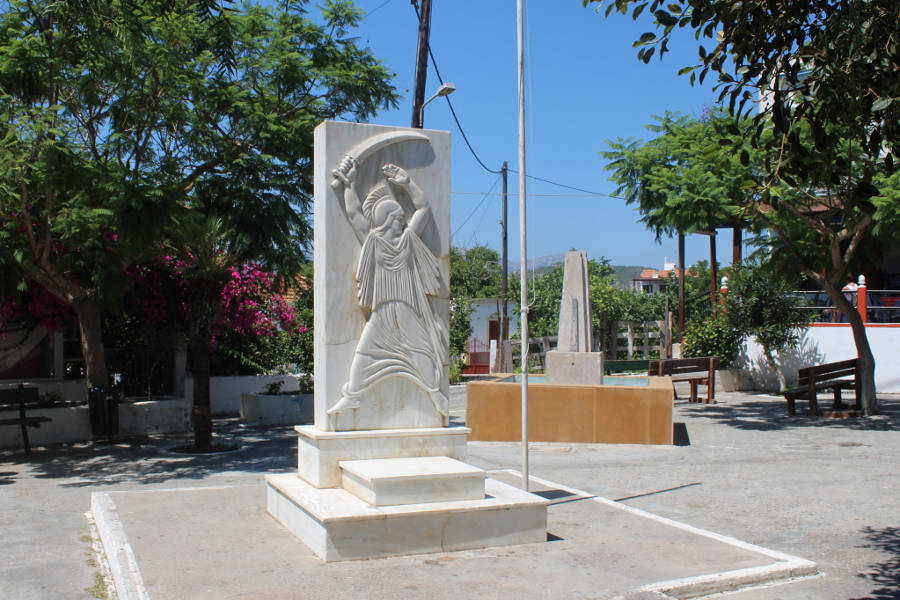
(104, 409)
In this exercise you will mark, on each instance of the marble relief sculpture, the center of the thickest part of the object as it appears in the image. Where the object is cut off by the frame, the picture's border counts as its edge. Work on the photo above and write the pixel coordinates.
(395, 276)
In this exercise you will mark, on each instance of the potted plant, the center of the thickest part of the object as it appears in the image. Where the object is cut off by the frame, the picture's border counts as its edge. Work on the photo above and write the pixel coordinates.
(273, 406)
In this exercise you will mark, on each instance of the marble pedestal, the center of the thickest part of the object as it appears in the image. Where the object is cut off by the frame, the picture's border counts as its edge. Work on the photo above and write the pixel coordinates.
(387, 492)
(577, 368)
(338, 525)
(319, 451)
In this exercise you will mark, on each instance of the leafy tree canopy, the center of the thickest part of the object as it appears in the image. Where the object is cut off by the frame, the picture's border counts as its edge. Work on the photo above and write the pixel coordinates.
(476, 272)
(608, 303)
(120, 119)
(826, 66)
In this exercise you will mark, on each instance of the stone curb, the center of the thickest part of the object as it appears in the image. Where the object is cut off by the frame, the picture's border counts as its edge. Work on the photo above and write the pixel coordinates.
(126, 575)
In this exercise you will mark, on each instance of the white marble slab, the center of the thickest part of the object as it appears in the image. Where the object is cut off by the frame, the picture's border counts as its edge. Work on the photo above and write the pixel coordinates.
(336, 525)
(394, 401)
(575, 368)
(319, 451)
(417, 480)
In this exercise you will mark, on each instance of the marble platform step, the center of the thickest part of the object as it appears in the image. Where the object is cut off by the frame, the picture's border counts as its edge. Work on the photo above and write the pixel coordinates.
(413, 480)
(337, 525)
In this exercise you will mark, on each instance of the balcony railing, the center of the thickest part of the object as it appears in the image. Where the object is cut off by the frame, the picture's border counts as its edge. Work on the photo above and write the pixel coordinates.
(877, 306)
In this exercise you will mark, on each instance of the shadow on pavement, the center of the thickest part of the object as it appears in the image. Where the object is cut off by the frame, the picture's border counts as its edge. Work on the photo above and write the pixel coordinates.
(765, 413)
(149, 459)
(885, 575)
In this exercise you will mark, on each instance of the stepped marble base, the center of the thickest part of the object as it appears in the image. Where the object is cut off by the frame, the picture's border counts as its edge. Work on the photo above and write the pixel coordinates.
(391, 481)
(319, 451)
(337, 525)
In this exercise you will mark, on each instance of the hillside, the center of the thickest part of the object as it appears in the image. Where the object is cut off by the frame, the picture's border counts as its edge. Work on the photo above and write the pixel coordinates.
(544, 264)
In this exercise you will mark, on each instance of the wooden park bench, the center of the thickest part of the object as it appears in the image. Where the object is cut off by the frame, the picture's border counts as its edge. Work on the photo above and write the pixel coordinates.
(22, 398)
(622, 366)
(834, 376)
(696, 371)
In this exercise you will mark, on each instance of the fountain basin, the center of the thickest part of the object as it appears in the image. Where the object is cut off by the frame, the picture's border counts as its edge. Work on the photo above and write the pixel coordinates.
(624, 410)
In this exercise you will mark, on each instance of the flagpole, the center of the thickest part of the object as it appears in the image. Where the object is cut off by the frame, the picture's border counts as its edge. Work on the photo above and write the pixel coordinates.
(523, 252)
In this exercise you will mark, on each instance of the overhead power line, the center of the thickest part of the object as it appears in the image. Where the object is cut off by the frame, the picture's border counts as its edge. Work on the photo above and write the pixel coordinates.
(380, 6)
(471, 214)
(462, 132)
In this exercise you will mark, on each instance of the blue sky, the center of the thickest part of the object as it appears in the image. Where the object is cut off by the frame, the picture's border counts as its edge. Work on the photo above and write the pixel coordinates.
(584, 86)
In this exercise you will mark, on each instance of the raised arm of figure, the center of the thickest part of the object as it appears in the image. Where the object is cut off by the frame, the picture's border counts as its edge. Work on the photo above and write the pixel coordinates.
(346, 174)
(398, 176)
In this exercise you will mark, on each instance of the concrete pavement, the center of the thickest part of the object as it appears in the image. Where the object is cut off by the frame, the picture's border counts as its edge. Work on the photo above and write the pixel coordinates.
(754, 492)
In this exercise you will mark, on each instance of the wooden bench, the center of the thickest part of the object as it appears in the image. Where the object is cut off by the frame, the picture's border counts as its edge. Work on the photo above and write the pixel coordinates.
(23, 398)
(829, 376)
(620, 366)
(696, 371)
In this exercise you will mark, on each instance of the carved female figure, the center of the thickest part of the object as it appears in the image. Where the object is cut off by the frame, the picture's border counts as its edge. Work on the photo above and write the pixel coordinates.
(397, 273)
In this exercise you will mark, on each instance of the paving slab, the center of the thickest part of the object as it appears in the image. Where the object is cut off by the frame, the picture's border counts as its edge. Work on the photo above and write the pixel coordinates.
(822, 489)
(218, 542)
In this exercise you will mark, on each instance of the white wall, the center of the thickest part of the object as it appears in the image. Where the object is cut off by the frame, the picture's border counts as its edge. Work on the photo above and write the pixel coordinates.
(73, 390)
(483, 309)
(832, 343)
(225, 392)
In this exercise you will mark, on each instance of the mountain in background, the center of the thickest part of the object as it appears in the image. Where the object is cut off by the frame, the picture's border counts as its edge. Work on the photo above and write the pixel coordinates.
(544, 264)
(541, 262)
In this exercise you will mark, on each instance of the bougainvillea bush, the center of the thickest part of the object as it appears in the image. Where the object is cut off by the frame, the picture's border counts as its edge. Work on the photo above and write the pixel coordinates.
(259, 330)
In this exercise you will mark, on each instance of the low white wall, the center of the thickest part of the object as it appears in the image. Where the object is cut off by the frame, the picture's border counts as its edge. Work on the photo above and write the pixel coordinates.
(280, 409)
(829, 344)
(73, 423)
(73, 390)
(225, 392)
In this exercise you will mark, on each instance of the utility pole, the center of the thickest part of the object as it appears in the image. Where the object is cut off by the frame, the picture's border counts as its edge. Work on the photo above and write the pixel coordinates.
(504, 318)
(421, 62)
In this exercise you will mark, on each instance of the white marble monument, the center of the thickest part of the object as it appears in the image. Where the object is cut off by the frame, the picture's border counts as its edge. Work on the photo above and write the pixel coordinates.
(573, 360)
(381, 472)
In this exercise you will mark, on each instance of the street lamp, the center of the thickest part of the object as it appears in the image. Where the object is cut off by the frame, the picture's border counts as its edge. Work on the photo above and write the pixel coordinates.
(445, 90)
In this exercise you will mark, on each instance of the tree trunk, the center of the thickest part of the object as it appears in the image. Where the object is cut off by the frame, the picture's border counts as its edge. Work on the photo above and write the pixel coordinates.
(866, 364)
(775, 366)
(89, 325)
(863, 350)
(202, 411)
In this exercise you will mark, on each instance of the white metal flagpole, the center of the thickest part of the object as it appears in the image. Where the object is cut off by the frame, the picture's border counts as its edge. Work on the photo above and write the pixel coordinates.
(523, 263)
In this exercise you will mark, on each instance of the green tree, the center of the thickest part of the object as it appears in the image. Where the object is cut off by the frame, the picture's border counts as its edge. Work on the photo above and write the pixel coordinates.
(826, 66)
(688, 177)
(476, 272)
(760, 303)
(608, 303)
(119, 117)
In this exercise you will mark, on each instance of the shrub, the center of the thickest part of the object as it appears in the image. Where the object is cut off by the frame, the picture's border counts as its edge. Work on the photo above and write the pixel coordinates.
(712, 336)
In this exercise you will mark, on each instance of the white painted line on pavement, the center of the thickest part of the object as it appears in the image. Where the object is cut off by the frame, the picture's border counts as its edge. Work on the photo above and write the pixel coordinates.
(788, 566)
(126, 574)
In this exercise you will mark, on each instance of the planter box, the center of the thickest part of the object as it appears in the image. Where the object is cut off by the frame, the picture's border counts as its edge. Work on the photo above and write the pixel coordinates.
(276, 409)
(73, 423)
(733, 380)
(164, 414)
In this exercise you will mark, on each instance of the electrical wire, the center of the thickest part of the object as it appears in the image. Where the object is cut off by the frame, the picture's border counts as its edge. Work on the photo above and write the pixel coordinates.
(382, 5)
(462, 132)
(471, 214)
(437, 72)
(532, 195)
